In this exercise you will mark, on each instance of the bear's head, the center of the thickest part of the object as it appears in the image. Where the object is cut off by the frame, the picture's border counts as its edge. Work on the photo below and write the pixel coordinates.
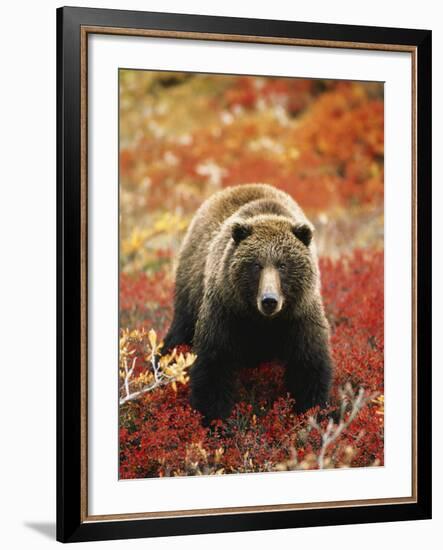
(272, 268)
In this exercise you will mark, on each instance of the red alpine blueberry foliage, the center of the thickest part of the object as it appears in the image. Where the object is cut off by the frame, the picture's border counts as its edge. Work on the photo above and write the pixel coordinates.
(146, 300)
(353, 292)
(160, 435)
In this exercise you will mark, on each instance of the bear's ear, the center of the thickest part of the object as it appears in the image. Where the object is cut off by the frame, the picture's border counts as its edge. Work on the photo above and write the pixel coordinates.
(303, 233)
(240, 231)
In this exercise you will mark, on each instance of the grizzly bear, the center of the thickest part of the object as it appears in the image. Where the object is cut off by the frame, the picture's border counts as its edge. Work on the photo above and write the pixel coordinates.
(248, 291)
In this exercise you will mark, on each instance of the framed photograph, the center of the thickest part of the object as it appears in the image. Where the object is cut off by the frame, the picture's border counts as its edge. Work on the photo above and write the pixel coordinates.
(244, 274)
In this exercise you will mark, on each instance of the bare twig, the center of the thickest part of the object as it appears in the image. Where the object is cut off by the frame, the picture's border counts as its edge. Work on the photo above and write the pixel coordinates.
(136, 394)
(128, 373)
(333, 431)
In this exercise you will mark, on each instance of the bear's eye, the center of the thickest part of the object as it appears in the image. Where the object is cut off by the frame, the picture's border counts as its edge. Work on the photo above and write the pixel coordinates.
(281, 266)
(256, 267)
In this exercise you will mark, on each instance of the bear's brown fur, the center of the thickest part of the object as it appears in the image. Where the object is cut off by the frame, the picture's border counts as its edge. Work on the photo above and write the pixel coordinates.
(247, 291)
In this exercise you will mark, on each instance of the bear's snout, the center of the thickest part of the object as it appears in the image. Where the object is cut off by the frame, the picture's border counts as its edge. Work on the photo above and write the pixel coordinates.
(269, 303)
(270, 298)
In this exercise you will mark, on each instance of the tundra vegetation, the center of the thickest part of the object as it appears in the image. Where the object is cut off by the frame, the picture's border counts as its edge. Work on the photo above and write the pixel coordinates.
(184, 136)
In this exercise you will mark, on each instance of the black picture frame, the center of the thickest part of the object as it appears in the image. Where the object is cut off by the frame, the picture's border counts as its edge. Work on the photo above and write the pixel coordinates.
(72, 525)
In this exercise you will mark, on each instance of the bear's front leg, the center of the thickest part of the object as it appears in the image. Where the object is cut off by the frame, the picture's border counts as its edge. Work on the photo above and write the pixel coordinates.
(182, 327)
(309, 367)
(213, 373)
(212, 388)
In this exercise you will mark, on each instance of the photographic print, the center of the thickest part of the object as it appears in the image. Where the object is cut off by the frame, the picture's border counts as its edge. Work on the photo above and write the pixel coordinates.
(251, 262)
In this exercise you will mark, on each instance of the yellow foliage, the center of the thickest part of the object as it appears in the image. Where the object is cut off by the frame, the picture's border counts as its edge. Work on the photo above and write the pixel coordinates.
(143, 346)
(380, 401)
(135, 241)
(170, 223)
(152, 337)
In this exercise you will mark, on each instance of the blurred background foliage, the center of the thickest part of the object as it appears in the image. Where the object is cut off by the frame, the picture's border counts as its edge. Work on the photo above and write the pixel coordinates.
(184, 136)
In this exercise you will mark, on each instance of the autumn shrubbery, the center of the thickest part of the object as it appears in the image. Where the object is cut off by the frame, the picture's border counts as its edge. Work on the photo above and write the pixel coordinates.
(161, 435)
(320, 141)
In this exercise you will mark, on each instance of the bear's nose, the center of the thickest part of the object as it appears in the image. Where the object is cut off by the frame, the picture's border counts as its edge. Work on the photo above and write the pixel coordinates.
(269, 303)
